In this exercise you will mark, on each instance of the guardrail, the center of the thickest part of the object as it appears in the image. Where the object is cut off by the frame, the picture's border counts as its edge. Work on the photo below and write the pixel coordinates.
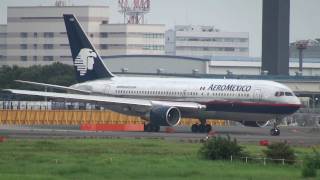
(264, 160)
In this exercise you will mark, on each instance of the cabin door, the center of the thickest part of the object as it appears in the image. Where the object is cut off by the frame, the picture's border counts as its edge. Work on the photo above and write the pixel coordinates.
(107, 89)
(257, 96)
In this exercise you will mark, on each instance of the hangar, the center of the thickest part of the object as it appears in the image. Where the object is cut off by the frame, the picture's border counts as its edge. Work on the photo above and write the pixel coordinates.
(221, 65)
(156, 64)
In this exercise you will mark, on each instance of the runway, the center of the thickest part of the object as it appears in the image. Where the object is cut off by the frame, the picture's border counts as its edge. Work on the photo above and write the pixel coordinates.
(293, 135)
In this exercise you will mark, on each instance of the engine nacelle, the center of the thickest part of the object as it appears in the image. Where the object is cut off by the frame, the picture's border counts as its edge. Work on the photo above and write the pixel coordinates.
(165, 116)
(255, 123)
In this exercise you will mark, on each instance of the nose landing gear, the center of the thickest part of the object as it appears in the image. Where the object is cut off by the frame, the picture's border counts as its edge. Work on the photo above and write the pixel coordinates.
(275, 131)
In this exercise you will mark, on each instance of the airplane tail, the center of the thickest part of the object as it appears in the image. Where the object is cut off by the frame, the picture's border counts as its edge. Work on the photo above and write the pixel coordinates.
(86, 60)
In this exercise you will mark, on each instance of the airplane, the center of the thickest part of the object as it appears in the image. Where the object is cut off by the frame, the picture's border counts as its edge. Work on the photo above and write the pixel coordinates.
(163, 101)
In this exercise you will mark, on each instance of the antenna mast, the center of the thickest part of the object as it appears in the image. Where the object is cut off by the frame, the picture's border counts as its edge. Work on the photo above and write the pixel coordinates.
(134, 10)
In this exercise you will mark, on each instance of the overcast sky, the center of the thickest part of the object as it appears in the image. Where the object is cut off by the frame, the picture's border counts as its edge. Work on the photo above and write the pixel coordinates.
(227, 15)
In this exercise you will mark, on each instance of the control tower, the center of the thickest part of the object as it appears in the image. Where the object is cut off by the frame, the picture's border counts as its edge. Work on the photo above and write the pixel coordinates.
(134, 10)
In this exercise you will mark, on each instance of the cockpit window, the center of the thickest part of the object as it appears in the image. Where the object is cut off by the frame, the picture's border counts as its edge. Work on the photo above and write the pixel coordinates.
(288, 94)
(281, 93)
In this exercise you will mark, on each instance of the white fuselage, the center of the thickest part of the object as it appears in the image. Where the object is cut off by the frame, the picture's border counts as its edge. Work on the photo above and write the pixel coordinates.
(230, 99)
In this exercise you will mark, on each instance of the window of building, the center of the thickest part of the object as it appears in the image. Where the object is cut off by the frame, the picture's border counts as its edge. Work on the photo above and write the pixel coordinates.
(229, 49)
(35, 46)
(243, 49)
(2, 57)
(48, 34)
(153, 35)
(228, 39)
(48, 46)
(103, 46)
(103, 34)
(23, 34)
(35, 34)
(35, 58)
(23, 46)
(23, 58)
(243, 40)
(48, 58)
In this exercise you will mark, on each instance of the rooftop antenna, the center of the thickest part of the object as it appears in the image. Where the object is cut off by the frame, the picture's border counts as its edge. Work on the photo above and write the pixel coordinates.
(60, 3)
(134, 10)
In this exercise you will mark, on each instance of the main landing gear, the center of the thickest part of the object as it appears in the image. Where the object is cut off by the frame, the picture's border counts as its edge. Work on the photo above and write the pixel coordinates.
(202, 127)
(275, 131)
(151, 127)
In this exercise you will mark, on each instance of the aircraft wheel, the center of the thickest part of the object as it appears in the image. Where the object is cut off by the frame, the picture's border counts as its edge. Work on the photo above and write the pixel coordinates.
(208, 128)
(275, 132)
(155, 128)
(194, 128)
(148, 127)
(202, 128)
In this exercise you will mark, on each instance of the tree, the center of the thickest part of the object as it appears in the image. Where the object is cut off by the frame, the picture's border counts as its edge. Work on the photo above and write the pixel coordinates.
(56, 73)
(280, 150)
(219, 148)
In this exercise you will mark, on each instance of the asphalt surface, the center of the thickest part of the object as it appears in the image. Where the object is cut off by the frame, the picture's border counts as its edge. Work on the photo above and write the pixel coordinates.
(293, 135)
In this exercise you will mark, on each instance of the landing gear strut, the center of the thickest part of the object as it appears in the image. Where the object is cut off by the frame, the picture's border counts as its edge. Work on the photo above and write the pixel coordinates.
(150, 127)
(202, 127)
(275, 131)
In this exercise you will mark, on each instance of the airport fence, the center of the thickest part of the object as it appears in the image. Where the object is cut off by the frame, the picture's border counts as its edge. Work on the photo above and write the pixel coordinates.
(70, 113)
(264, 161)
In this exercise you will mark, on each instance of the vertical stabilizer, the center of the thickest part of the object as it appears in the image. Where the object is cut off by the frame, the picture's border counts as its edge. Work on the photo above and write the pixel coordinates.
(86, 60)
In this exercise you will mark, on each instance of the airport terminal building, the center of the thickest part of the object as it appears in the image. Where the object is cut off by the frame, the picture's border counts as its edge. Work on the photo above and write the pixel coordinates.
(221, 65)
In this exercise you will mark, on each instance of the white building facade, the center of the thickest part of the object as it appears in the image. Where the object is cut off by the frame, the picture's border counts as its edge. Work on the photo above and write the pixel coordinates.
(131, 39)
(3, 42)
(37, 35)
(206, 41)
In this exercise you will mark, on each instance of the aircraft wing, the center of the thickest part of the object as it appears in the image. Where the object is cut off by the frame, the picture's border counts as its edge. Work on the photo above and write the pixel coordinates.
(54, 86)
(142, 103)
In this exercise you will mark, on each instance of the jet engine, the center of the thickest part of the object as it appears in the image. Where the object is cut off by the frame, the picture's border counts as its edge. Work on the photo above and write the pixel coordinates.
(165, 116)
(255, 123)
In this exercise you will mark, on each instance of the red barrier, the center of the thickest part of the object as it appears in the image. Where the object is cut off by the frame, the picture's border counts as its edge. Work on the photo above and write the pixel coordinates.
(112, 127)
(264, 143)
(170, 130)
(2, 139)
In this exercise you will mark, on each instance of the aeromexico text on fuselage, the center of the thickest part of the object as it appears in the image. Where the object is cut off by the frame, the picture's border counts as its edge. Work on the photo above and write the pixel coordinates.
(229, 87)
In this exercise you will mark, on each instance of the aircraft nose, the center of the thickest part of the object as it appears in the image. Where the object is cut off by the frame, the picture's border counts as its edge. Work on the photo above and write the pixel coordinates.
(297, 100)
